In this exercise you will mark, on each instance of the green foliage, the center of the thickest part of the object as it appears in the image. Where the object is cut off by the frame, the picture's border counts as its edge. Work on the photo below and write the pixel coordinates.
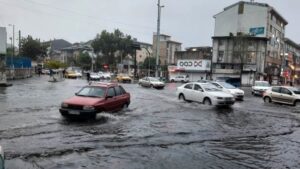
(32, 48)
(149, 62)
(109, 43)
(54, 64)
(84, 61)
(9, 51)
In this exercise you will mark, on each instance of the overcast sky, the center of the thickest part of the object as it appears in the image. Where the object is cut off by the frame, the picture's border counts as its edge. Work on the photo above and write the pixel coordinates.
(188, 21)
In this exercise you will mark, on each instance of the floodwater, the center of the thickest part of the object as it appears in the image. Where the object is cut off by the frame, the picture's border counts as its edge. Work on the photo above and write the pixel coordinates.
(157, 131)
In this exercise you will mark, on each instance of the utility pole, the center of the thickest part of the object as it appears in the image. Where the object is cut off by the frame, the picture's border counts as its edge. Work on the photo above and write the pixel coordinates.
(19, 42)
(158, 38)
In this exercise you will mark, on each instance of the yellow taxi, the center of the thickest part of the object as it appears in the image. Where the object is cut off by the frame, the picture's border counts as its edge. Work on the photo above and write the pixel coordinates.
(70, 74)
(124, 78)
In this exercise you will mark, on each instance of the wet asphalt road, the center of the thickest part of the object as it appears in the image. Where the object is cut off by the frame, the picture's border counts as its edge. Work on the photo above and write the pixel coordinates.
(156, 132)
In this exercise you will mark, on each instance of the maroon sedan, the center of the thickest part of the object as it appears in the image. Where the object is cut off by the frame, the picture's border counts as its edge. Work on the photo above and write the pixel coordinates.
(96, 98)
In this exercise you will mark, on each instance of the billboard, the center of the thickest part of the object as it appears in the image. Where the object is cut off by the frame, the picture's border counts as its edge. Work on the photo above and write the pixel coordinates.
(194, 65)
(257, 31)
(3, 40)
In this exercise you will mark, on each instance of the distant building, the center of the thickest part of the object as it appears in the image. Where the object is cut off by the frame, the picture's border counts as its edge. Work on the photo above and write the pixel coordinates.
(144, 52)
(54, 48)
(291, 62)
(3, 39)
(194, 62)
(168, 48)
(248, 42)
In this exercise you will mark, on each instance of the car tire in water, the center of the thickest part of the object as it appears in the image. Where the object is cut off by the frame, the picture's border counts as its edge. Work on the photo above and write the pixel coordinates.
(267, 99)
(181, 97)
(297, 104)
(125, 106)
(207, 101)
(151, 86)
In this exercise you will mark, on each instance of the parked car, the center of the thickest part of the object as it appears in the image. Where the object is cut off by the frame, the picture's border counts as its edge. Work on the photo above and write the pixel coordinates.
(45, 71)
(283, 94)
(151, 82)
(123, 78)
(1, 158)
(95, 98)
(78, 74)
(180, 78)
(94, 76)
(205, 93)
(228, 88)
(260, 87)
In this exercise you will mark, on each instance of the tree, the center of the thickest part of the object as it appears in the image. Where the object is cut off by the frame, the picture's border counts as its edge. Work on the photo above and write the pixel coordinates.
(108, 44)
(149, 63)
(54, 64)
(32, 48)
(84, 61)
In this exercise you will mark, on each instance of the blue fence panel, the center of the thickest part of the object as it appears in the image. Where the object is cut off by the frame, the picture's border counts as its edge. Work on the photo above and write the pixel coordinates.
(18, 62)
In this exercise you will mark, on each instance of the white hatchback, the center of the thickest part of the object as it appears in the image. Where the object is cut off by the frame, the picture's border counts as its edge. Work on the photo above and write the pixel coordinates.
(228, 88)
(205, 93)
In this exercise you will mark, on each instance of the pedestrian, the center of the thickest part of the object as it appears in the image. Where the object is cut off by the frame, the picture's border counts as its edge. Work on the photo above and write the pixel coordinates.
(64, 72)
(88, 76)
(51, 72)
(39, 71)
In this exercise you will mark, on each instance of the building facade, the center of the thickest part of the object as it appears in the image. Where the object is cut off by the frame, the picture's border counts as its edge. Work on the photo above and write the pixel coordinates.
(144, 52)
(291, 63)
(248, 42)
(194, 62)
(168, 48)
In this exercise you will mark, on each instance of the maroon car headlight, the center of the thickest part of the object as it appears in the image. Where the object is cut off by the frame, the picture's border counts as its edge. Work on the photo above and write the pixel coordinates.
(64, 105)
(88, 108)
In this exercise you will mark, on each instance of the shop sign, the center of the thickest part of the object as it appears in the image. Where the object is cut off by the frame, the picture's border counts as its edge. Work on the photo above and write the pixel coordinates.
(200, 65)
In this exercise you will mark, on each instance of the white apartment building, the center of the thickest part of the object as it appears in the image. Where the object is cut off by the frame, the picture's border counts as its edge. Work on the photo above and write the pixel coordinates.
(248, 42)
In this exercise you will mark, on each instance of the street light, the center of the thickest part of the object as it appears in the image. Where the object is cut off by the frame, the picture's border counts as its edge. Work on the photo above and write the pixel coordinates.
(13, 44)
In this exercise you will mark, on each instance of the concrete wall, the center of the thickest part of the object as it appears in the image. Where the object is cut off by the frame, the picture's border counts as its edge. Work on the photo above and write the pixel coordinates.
(3, 39)
(229, 21)
(12, 74)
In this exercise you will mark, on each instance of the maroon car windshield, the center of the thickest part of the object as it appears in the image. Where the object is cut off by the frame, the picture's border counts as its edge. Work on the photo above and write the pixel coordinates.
(92, 91)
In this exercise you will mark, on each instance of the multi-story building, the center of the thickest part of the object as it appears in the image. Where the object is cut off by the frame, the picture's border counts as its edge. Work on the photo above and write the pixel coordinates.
(194, 62)
(167, 50)
(291, 62)
(144, 52)
(248, 42)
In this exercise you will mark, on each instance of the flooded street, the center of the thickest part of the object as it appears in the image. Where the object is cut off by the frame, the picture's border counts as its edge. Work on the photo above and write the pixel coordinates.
(157, 131)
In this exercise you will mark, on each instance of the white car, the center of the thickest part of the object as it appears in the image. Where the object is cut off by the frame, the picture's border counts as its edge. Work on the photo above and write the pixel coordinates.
(228, 88)
(104, 75)
(180, 78)
(260, 87)
(151, 82)
(94, 76)
(1, 158)
(78, 74)
(205, 93)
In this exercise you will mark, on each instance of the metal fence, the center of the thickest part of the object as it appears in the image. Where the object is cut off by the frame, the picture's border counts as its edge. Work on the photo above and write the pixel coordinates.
(19, 73)
(18, 62)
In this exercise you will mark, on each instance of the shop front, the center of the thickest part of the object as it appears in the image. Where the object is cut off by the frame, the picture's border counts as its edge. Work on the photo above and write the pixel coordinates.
(194, 69)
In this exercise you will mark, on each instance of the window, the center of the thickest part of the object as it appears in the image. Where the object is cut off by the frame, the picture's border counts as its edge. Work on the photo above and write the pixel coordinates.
(241, 8)
(285, 91)
(275, 89)
(197, 87)
(220, 56)
(217, 85)
(111, 92)
(122, 90)
(118, 91)
(221, 42)
(188, 86)
(91, 91)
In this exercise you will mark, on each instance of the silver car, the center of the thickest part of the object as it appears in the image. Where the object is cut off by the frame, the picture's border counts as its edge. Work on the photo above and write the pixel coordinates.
(283, 94)
(151, 82)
